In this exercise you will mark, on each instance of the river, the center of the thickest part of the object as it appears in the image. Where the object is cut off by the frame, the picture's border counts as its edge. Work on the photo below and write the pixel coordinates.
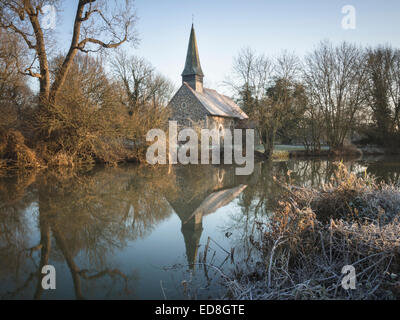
(141, 233)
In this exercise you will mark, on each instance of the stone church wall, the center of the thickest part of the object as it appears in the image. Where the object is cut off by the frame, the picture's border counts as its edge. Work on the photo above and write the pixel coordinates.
(218, 123)
(187, 110)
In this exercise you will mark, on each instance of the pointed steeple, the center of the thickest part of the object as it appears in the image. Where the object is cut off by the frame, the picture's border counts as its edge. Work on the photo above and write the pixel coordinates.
(192, 231)
(193, 74)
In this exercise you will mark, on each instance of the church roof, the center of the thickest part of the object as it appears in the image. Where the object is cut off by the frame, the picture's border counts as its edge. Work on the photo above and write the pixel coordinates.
(192, 65)
(218, 104)
(217, 200)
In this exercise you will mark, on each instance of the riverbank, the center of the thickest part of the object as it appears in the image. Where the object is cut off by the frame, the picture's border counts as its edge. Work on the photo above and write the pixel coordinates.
(314, 233)
(282, 152)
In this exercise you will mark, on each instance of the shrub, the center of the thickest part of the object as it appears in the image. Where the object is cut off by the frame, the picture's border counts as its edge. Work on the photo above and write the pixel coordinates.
(346, 150)
(14, 152)
(90, 123)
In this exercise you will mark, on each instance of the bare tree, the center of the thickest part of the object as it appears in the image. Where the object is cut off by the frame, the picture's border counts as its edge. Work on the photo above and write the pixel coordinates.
(383, 67)
(86, 82)
(14, 91)
(311, 128)
(288, 66)
(269, 92)
(141, 83)
(335, 78)
(88, 123)
(395, 89)
(98, 24)
(250, 77)
(283, 105)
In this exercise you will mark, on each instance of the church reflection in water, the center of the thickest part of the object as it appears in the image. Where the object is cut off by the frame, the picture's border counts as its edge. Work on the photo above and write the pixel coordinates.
(201, 192)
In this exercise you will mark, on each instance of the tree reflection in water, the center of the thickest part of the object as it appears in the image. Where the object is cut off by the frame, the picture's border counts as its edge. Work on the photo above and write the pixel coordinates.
(94, 214)
(79, 221)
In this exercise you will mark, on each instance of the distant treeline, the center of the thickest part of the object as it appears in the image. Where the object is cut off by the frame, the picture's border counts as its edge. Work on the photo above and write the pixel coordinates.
(335, 95)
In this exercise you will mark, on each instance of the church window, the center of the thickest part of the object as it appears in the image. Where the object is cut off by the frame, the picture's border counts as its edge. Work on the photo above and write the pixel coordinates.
(221, 130)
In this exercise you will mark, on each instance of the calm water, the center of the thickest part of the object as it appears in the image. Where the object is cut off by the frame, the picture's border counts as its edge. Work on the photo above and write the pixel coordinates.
(137, 233)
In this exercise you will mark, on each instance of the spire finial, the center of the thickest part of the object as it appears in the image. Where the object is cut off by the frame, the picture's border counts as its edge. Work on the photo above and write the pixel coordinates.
(192, 19)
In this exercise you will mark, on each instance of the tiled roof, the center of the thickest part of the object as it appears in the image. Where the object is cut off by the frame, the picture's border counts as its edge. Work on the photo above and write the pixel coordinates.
(218, 104)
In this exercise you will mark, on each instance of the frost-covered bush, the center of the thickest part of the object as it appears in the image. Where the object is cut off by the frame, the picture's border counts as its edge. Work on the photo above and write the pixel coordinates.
(313, 234)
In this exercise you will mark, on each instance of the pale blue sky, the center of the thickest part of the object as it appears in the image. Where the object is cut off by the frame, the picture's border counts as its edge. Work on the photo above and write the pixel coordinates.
(268, 26)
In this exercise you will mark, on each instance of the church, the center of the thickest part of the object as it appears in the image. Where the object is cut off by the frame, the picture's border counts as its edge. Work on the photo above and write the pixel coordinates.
(194, 105)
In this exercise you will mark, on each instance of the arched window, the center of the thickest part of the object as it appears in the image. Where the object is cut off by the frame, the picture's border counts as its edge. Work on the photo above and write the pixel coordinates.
(184, 105)
(221, 130)
(221, 133)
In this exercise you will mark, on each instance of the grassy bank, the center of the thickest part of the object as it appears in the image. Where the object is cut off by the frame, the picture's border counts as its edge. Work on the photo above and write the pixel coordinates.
(313, 234)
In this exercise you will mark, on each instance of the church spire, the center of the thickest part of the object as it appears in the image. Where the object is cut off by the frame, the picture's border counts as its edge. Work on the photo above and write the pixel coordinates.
(193, 74)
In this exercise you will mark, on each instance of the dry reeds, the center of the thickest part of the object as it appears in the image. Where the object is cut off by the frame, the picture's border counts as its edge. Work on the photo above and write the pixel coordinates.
(313, 234)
